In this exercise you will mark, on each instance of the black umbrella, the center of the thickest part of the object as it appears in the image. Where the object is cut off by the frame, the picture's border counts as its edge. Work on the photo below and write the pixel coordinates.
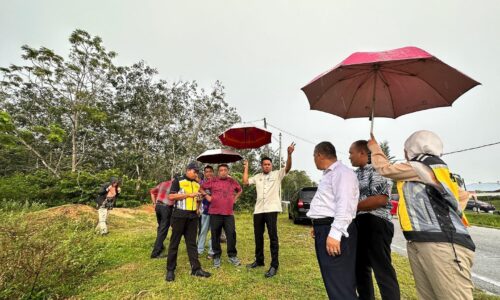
(219, 156)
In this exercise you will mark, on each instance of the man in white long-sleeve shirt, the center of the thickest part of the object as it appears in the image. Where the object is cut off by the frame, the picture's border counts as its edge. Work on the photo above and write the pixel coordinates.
(332, 210)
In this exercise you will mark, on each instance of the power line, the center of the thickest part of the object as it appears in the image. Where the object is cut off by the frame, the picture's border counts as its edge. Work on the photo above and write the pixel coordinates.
(252, 121)
(291, 134)
(462, 150)
(473, 148)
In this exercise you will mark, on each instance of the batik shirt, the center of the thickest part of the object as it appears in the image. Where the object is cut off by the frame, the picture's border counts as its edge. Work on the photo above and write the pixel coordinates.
(372, 183)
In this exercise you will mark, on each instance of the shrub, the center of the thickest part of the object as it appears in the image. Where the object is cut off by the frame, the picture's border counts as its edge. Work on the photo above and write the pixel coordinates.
(45, 257)
(77, 188)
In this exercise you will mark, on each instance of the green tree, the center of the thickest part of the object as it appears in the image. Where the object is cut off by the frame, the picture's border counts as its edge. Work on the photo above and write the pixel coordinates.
(57, 105)
(292, 182)
(387, 151)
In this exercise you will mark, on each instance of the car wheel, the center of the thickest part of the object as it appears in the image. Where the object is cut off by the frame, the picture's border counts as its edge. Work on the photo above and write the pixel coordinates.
(475, 209)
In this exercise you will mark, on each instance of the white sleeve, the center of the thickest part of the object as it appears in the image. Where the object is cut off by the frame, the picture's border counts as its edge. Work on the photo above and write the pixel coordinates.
(251, 180)
(346, 201)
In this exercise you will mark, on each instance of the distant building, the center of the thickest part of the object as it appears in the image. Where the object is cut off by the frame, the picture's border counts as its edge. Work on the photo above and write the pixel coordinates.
(485, 188)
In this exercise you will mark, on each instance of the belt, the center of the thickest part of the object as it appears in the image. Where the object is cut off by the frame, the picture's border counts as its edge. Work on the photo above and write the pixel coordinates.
(322, 221)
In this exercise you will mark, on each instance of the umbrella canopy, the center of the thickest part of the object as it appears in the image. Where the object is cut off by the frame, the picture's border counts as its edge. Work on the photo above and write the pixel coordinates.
(243, 136)
(386, 84)
(218, 156)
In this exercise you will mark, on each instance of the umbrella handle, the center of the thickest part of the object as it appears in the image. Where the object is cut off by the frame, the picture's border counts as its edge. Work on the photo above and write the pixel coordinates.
(372, 118)
(373, 103)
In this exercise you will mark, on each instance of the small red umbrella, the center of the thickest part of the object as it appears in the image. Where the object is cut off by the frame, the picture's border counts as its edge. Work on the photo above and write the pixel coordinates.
(386, 84)
(244, 136)
(216, 156)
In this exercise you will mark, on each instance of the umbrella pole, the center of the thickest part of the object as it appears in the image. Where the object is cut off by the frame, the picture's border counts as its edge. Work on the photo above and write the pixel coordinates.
(373, 102)
(372, 117)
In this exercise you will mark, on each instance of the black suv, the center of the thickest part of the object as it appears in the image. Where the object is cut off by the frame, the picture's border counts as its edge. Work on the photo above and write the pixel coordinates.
(300, 203)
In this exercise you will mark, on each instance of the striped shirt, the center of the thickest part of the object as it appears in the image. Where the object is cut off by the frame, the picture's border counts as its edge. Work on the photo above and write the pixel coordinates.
(372, 183)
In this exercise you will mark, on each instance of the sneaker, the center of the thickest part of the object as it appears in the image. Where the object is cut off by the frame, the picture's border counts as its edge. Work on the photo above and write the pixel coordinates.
(200, 273)
(217, 262)
(235, 261)
(210, 256)
(170, 276)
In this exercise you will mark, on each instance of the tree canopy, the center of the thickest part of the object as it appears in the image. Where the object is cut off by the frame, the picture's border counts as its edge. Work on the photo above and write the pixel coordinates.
(71, 117)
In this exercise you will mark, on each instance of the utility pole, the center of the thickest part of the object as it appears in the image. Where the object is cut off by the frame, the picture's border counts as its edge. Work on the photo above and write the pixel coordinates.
(267, 146)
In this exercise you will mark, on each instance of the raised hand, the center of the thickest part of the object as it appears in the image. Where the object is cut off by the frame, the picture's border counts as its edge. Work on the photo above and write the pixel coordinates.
(291, 148)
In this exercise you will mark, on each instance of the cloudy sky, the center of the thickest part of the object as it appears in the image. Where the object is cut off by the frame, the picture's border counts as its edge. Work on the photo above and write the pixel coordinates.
(265, 51)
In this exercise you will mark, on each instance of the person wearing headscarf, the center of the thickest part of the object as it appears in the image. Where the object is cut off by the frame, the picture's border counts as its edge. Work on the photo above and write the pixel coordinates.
(430, 211)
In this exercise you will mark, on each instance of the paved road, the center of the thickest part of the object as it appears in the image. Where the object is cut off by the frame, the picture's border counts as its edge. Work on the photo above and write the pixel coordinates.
(486, 269)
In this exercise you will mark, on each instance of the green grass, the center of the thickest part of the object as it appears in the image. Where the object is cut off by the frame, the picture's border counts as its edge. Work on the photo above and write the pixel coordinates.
(483, 219)
(129, 273)
(496, 203)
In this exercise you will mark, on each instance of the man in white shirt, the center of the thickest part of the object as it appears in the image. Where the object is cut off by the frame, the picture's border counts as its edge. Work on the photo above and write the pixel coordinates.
(267, 206)
(332, 210)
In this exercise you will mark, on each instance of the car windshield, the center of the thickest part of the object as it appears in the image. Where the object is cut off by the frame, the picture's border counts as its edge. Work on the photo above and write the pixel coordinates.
(307, 195)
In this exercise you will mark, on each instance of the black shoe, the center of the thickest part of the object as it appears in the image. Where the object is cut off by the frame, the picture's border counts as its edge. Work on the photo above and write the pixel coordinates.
(158, 256)
(272, 271)
(200, 273)
(254, 265)
(170, 276)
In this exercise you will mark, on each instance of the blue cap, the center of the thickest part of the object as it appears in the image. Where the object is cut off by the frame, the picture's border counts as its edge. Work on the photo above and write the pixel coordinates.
(193, 166)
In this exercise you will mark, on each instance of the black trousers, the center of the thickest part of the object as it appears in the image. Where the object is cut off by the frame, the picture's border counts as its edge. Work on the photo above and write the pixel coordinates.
(217, 222)
(259, 222)
(184, 223)
(163, 216)
(374, 253)
(337, 271)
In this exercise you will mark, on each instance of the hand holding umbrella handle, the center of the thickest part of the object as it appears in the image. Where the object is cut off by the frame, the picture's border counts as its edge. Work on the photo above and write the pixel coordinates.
(372, 140)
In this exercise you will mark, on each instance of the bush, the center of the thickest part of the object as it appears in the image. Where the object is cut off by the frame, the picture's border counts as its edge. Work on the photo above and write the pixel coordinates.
(247, 199)
(15, 206)
(77, 188)
(45, 257)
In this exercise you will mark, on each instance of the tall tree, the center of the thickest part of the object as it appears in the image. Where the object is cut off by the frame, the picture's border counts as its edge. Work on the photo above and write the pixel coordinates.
(57, 105)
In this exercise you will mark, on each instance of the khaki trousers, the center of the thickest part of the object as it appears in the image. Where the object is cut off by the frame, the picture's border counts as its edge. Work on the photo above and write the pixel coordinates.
(437, 275)
(102, 226)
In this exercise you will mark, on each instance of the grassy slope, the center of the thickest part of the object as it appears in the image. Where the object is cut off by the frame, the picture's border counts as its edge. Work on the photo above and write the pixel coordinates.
(129, 273)
(483, 219)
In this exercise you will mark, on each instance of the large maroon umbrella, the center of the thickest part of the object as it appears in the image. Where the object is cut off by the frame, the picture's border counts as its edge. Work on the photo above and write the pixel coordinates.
(216, 156)
(386, 84)
(244, 136)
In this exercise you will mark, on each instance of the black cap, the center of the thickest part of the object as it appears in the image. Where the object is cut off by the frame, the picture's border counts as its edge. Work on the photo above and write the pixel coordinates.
(193, 166)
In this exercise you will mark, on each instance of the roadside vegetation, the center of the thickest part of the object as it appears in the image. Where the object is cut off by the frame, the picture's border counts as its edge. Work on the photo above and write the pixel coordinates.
(486, 219)
(56, 255)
